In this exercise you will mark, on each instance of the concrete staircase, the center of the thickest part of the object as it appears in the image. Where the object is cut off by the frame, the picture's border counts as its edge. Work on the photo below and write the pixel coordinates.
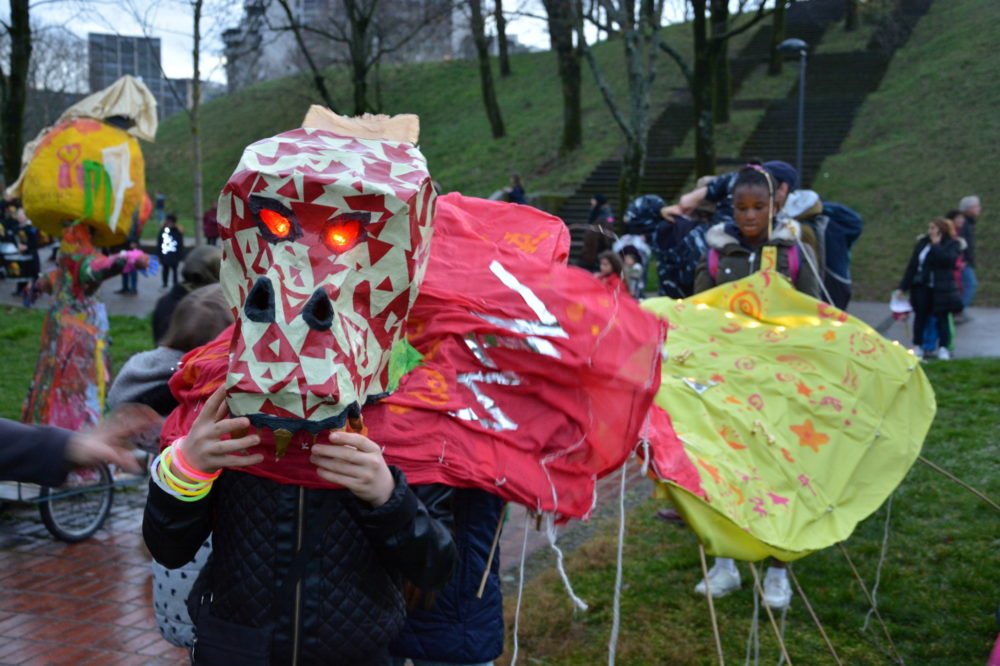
(664, 174)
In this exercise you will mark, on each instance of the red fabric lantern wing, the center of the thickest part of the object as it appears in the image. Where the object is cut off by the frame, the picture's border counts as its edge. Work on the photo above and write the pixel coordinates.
(535, 381)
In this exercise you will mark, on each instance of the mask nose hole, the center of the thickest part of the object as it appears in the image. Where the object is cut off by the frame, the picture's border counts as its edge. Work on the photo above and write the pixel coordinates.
(318, 312)
(260, 302)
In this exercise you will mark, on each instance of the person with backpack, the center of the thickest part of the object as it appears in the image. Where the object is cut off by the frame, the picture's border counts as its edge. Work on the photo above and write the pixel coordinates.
(679, 244)
(835, 228)
(734, 248)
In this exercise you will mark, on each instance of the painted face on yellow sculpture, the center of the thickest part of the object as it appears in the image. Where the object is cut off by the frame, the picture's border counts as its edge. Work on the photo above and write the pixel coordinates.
(87, 170)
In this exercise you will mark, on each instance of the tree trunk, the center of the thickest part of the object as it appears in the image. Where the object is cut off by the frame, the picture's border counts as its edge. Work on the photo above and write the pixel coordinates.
(317, 76)
(485, 73)
(561, 19)
(851, 16)
(701, 93)
(722, 88)
(502, 39)
(777, 59)
(14, 89)
(359, 47)
(196, 175)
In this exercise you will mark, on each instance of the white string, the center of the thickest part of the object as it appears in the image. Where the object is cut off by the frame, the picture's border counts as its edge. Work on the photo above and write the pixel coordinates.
(784, 614)
(616, 613)
(753, 639)
(550, 530)
(520, 587)
(814, 267)
(881, 561)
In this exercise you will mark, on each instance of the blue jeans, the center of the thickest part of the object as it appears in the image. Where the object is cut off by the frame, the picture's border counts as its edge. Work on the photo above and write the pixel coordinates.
(130, 281)
(969, 285)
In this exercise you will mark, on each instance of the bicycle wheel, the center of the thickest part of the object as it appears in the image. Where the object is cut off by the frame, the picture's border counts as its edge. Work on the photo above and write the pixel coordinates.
(78, 508)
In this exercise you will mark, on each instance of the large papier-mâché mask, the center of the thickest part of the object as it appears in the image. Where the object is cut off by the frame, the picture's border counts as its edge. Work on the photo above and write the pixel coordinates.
(325, 242)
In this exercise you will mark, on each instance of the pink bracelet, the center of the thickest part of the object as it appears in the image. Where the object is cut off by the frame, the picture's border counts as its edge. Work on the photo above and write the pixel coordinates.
(186, 468)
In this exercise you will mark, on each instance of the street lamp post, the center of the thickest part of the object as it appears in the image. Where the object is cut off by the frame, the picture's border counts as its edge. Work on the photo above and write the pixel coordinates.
(798, 46)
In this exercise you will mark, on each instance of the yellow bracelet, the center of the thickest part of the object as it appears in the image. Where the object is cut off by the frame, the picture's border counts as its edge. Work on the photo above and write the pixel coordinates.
(176, 484)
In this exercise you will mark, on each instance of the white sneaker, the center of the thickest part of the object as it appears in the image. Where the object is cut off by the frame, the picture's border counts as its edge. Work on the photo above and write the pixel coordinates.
(919, 353)
(722, 580)
(944, 354)
(777, 591)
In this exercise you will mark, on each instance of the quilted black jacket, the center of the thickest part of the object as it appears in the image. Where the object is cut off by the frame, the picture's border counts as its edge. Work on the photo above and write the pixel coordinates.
(348, 605)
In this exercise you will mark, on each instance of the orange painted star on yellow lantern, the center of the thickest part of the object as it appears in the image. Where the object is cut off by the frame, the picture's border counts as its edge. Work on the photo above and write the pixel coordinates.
(808, 435)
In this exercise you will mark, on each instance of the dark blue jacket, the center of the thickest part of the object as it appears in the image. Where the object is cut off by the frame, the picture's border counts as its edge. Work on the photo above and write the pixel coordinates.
(460, 628)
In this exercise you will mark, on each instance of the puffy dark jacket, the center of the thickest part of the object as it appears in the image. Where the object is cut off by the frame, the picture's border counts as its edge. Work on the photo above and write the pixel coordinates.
(937, 273)
(679, 246)
(459, 627)
(737, 260)
(348, 604)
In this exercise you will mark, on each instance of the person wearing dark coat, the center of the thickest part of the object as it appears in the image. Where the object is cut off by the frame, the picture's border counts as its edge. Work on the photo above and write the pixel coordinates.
(461, 627)
(201, 268)
(930, 281)
(600, 235)
(298, 575)
(170, 248)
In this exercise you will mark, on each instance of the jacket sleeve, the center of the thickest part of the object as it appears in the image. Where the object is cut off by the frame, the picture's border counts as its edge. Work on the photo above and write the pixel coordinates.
(702, 278)
(33, 454)
(412, 535)
(911, 269)
(808, 280)
(944, 255)
(174, 530)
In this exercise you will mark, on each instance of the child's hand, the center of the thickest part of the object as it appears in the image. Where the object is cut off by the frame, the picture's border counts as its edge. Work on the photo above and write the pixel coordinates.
(204, 448)
(355, 462)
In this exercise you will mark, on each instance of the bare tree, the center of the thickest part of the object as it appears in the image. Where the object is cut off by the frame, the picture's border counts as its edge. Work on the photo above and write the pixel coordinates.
(297, 29)
(638, 25)
(13, 87)
(776, 59)
(564, 18)
(57, 73)
(364, 32)
(851, 16)
(501, 22)
(195, 118)
(478, 25)
(701, 74)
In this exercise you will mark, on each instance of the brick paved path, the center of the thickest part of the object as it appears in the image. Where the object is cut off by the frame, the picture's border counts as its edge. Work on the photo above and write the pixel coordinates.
(85, 603)
(91, 602)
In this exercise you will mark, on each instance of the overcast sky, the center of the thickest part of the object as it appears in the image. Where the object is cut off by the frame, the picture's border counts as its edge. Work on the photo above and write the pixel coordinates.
(172, 22)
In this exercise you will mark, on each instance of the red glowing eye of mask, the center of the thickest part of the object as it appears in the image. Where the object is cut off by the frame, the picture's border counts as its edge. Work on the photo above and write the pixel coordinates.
(276, 223)
(341, 236)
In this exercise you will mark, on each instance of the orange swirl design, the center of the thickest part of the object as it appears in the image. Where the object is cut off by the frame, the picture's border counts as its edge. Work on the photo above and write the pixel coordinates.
(746, 303)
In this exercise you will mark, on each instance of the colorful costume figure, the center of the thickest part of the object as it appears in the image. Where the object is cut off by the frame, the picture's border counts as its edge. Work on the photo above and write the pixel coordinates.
(83, 179)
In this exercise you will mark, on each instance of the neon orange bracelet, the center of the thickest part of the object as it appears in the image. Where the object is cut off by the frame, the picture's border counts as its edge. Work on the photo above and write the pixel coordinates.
(187, 469)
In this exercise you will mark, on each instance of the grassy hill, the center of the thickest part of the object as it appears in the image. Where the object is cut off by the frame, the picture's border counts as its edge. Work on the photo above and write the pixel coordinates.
(926, 138)
(455, 134)
(929, 136)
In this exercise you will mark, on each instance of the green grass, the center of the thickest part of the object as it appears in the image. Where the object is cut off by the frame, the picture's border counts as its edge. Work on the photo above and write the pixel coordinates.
(938, 590)
(20, 331)
(925, 139)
